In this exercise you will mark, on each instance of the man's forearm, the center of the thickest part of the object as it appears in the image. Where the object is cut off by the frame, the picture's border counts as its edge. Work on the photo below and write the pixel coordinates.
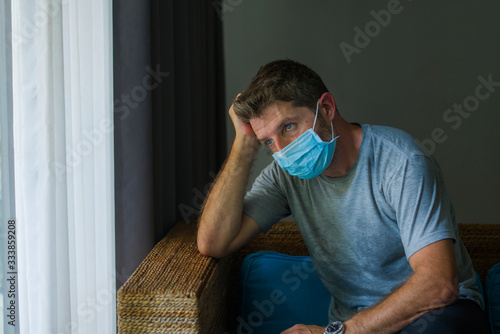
(220, 220)
(424, 291)
(392, 314)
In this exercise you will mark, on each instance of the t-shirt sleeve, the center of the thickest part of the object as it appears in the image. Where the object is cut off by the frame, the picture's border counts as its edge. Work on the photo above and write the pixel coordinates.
(417, 193)
(266, 201)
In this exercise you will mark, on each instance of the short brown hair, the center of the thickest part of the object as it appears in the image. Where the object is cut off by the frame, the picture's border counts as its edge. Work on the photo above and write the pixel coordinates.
(280, 80)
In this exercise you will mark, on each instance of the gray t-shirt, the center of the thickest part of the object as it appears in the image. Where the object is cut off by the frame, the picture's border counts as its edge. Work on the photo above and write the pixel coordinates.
(362, 228)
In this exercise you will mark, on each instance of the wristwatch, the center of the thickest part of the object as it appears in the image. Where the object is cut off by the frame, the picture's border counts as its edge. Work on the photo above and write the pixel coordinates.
(336, 327)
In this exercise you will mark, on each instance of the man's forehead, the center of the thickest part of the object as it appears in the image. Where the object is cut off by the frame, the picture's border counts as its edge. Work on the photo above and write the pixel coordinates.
(273, 113)
(277, 113)
(280, 110)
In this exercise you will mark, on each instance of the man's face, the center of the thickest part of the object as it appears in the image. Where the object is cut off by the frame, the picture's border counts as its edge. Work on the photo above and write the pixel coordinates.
(280, 124)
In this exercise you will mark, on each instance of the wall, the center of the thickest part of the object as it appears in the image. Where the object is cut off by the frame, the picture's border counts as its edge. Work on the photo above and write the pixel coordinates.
(408, 71)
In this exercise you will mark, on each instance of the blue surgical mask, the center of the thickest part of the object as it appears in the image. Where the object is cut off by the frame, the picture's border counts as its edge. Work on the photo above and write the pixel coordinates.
(308, 155)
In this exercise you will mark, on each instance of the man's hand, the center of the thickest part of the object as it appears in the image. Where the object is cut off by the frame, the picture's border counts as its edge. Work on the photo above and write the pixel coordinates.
(242, 129)
(303, 329)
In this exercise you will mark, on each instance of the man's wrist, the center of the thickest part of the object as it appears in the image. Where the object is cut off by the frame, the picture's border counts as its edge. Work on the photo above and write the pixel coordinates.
(246, 144)
(336, 327)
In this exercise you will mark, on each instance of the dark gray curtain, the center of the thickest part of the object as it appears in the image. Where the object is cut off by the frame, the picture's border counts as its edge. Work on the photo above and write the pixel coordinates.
(189, 110)
(169, 119)
(133, 136)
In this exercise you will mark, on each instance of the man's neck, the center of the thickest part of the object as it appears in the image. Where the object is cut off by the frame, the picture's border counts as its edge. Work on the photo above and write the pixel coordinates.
(346, 150)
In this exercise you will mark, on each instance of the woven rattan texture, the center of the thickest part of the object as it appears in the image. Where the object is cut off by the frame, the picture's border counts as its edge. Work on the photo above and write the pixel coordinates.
(483, 244)
(175, 289)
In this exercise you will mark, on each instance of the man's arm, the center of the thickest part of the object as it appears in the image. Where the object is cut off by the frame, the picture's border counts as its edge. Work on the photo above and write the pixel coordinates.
(433, 285)
(223, 226)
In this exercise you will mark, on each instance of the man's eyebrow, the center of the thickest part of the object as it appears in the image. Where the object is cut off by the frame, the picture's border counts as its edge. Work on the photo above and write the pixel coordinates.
(284, 122)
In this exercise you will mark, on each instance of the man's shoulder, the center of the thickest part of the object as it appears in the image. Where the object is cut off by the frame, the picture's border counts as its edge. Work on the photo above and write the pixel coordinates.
(392, 141)
(389, 149)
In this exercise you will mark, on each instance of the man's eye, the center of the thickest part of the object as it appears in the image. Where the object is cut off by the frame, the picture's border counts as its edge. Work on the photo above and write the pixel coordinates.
(268, 142)
(289, 127)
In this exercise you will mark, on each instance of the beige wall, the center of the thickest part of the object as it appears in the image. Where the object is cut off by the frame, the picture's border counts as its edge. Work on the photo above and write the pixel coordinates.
(415, 67)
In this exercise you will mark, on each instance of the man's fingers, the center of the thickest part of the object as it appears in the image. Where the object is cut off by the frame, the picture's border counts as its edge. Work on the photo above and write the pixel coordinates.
(290, 330)
(303, 329)
(240, 126)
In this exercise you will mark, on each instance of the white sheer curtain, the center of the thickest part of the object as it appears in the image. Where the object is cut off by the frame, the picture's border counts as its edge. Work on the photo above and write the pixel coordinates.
(62, 88)
(7, 209)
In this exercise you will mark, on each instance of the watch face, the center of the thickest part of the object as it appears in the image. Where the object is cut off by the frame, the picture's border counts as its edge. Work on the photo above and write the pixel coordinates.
(334, 327)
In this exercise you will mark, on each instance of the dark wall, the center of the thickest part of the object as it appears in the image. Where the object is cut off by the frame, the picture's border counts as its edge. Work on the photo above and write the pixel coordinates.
(419, 71)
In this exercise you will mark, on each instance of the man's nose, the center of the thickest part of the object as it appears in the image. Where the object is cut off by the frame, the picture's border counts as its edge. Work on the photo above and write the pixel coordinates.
(281, 143)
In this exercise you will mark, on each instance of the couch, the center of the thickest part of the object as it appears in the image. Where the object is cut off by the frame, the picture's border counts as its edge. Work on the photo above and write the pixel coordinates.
(178, 290)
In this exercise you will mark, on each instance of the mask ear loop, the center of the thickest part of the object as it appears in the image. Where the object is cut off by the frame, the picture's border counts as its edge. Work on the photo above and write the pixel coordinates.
(316, 118)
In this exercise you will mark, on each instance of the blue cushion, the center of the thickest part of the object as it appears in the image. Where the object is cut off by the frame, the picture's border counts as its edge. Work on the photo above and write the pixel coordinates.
(493, 297)
(278, 291)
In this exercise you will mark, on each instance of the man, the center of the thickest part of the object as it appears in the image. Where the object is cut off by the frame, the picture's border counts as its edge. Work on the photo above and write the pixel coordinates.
(369, 203)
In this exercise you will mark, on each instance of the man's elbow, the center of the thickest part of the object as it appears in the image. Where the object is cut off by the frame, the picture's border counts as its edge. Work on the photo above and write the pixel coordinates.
(447, 292)
(207, 249)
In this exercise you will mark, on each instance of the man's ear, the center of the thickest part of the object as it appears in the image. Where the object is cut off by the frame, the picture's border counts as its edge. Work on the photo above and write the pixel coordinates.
(328, 106)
